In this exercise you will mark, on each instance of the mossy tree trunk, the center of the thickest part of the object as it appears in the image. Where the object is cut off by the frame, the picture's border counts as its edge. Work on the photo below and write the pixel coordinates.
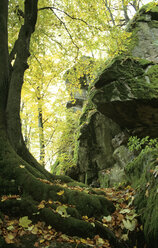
(20, 173)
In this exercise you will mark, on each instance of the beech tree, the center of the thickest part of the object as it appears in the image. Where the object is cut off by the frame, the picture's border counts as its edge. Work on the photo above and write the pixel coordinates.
(20, 173)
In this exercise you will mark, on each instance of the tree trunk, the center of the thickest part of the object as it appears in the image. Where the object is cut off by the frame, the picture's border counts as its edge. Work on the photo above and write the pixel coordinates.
(41, 128)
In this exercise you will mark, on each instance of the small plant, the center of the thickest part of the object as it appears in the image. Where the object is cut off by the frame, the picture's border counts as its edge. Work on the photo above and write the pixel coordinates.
(138, 144)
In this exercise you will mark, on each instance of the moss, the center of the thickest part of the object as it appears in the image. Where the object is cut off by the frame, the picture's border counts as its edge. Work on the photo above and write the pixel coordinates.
(88, 107)
(13, 207)
(8, 187)
(152, 73)
(90, 205)
(140, 173)
(122, 68)
(72, 184)
(153, 24)
(67, 225)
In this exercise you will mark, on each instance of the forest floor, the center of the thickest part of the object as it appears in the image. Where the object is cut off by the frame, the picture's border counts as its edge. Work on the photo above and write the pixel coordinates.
(124, 222)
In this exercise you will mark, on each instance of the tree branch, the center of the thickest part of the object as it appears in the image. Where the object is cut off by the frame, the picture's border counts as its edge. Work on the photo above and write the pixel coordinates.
(109, 10)
(63, 23)
(71, 17)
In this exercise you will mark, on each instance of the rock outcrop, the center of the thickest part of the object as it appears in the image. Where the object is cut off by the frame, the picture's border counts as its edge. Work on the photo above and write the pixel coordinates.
(125, 96)
(95, 150)
(144, 26)
(127, 92)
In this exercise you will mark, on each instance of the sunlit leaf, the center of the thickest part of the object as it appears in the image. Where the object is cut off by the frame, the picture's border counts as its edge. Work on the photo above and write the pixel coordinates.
(130, 225)
(124, 237)
(62, 211)
(10, 228)
(107, 218)
(60, 192)
(22, 166)
(125, 211)
(24, 222)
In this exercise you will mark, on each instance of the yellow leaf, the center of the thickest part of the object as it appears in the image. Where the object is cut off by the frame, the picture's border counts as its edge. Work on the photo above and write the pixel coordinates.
(85, 217)
(34, 230)
(22, 166)
(41, 205)
(60, 192)
(42, 241)
(24, 222)
(10, 236)
(147, 193)
(84, 241)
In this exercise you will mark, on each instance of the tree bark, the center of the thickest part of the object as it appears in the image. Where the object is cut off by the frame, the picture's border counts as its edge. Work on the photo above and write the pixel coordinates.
(4, 65)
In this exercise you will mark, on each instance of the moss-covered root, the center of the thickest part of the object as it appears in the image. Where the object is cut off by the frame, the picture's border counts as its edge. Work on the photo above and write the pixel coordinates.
(68, 225)
(86, 204)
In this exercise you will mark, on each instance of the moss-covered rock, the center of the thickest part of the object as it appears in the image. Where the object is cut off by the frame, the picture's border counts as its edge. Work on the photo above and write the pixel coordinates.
(143, 174)
(94, 147)
(144, 27)
(130, 95)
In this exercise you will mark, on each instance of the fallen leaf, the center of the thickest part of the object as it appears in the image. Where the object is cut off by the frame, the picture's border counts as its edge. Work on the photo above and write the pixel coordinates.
(130, 225)
(125, 211)
(62, 211)
(107, 218)
(22, 166)
(42, 241)
(147, 193)
(84, 241)
(60, 192)
(24, 222)
(41, 205)
(124, 237)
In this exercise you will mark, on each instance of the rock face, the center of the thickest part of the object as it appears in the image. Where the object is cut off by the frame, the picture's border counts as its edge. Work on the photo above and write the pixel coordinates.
(95, 150)
(127, 92)
(145, 25)
(126, 103)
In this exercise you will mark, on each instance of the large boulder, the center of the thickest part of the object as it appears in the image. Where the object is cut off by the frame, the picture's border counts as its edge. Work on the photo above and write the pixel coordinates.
(127, 92)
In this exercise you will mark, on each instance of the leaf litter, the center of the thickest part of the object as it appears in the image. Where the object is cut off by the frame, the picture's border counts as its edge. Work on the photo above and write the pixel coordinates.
(122, 222)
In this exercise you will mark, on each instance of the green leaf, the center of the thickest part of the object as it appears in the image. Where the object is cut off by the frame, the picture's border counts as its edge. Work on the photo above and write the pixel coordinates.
(24, 222)
(62, 211)
(107, 218)
(125, 211)
(131, 217)
(124, 237)
(130, 225)
(10, 228)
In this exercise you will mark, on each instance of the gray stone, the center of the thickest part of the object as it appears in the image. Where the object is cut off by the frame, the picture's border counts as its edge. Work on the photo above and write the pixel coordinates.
(95, 150)
(122, 156)
(130, 101)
